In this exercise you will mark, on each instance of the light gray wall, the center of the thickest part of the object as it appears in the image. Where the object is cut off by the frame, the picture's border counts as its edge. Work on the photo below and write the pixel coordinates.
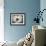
(43, 6)
(29, 7)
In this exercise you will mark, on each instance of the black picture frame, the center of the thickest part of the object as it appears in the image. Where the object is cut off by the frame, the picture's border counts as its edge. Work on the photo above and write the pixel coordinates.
(17, 19)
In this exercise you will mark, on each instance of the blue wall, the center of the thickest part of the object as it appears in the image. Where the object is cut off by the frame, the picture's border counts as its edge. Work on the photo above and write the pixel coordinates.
(29, 7)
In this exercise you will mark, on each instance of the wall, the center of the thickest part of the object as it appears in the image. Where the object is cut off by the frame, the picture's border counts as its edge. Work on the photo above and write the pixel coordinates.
(43, 6)
(29, 7)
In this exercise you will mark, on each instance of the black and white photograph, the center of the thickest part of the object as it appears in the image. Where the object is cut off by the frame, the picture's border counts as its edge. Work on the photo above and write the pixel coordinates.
(17, 18)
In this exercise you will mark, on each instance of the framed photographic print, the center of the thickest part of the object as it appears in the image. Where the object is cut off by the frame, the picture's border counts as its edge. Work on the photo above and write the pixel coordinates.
(17, 19)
